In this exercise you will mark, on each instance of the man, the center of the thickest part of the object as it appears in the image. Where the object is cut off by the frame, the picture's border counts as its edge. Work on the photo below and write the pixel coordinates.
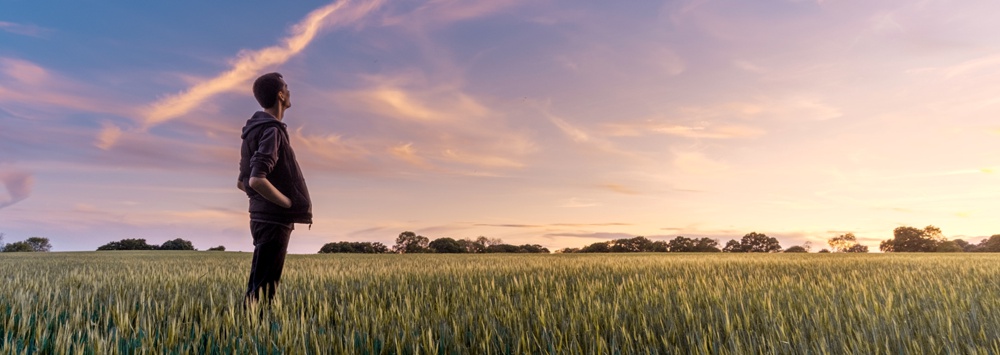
(277, 190)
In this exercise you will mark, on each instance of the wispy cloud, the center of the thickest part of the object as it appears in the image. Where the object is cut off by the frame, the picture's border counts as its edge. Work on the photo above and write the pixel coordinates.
(249, 64)
(18, 185)
(24, 29)
(725, 131)
(23, 82)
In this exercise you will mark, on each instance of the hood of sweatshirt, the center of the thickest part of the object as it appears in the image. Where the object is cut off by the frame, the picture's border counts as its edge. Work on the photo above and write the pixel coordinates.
(260, 118)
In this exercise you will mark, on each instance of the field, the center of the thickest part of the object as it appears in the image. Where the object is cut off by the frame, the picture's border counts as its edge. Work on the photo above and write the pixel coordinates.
(189, 302)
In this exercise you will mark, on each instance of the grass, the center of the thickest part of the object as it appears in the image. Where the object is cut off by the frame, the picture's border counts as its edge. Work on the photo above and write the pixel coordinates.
(189, 302)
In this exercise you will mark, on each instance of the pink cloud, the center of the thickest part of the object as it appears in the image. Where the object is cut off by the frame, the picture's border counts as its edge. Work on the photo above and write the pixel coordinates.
(18, 186)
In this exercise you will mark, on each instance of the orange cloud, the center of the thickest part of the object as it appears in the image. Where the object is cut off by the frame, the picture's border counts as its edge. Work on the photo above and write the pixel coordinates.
(407, 153)
(108, 137)
(249, 64)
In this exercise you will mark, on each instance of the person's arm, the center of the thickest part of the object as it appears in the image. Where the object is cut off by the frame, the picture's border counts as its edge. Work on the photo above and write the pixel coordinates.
(262, 163)
(264, 187)
(239, 185)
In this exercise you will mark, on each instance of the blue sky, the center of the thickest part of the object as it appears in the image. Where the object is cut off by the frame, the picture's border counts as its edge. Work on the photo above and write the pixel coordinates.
(557, 123)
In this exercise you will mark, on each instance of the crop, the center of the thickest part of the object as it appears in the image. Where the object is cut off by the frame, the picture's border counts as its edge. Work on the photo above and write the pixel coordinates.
(190, 303)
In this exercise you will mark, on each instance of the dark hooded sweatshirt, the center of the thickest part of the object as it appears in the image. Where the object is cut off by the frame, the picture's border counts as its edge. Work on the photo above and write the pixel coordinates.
(267, 153)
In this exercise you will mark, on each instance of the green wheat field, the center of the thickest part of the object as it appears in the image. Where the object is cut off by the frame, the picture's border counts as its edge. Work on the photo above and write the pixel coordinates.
(189, 303)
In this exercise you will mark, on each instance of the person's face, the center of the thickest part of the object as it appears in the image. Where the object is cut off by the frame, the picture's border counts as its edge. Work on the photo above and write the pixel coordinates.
(285, 97)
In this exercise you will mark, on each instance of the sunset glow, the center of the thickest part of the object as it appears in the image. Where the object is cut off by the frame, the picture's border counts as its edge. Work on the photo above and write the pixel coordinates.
(559, 123)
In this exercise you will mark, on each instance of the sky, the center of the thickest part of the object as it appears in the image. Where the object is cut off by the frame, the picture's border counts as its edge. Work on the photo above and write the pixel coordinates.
(552, 122)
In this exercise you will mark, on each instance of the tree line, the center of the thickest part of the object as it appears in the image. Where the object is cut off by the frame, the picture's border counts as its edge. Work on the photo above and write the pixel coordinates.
(905, 239)
(141, 244)
(409, 243)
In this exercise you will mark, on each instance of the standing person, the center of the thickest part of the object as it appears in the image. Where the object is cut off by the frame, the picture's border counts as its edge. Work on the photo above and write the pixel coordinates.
(277, 190)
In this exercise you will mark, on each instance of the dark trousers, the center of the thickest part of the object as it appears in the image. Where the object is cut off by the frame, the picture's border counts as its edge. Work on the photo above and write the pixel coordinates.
(270, 243)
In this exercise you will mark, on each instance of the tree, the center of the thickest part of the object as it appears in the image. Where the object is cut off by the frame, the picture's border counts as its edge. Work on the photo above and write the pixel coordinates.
(846, 243)
(472, 246)
(857, 248)
(218, 248)
(796, 249)
(16, 247)
(732, 246)
(599, 247)
(485, 242)
(128, 244)
(177, 244)
(33, 244)
(827, 251)
(503, 248)
(354, 247)
(631, 245)
(446, 245)
(689, 245)
(989, 245)
(909, 239)
(568, 250)
(948, 246)
(409, 242)
(533, 248)
(754, 242)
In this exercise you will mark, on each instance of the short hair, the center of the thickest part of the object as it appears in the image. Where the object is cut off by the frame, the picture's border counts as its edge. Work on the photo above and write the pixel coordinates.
(266, 89)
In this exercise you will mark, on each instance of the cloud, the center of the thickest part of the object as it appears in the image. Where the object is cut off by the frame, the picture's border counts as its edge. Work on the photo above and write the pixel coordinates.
(725, 131)
(455, 132)
(108, 137)
(442, 12)
(26, 83)
(18, 186)
(333, 152)
(427, 105)
(583, 137)
(24, 29)
(249, 64)
(408, 154)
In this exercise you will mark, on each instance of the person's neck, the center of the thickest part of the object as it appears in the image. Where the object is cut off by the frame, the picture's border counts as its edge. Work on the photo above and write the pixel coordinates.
(277, 111)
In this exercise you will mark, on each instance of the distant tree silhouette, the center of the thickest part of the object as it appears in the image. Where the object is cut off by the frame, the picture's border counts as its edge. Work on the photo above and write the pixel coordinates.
(753, 242)
(508, 248)
(989, 245)
(409, 242)
(33, 244)
(128, 244)
(796, 249)
(446, 245)
(354, 247)
(682, 244)
(909, 239)
(846, 243)
(17, 247)
(599, 247)
(177, 244)
(218, 248)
